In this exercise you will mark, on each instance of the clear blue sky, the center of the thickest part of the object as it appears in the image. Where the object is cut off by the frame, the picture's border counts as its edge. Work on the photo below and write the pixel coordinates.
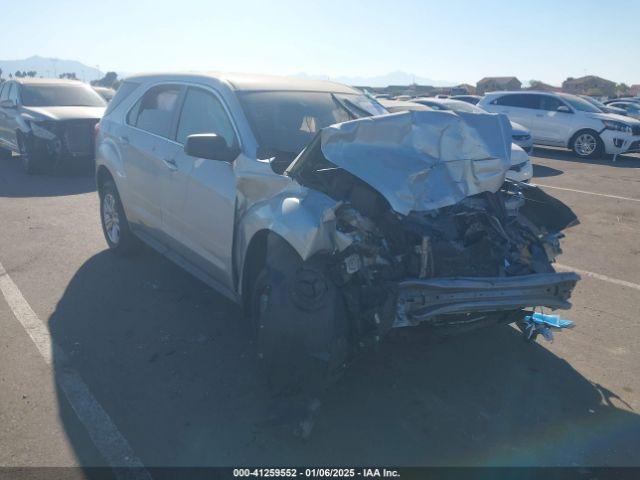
(456, 40)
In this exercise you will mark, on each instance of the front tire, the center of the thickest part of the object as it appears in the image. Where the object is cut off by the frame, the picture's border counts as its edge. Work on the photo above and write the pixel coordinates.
(587, 144)
(31, 159)
(300, 324)
(114, 221)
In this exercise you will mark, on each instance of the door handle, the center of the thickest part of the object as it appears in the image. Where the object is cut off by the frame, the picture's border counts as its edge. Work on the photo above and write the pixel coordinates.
(539, 115)
(171, 163)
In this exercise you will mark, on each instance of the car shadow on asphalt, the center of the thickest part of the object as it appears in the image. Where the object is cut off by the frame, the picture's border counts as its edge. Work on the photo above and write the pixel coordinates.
(172, 364)
(14, 182)
(623, 161)
(542, 171)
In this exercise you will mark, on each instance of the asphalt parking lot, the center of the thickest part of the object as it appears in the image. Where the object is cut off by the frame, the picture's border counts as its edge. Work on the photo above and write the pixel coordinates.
(170, 364)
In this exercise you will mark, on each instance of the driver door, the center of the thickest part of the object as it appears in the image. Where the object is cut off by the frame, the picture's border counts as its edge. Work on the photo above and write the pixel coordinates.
(199, 194)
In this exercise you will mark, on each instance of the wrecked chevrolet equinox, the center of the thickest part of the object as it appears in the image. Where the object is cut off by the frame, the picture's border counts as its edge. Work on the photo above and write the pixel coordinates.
(329, 220)
(48, 122)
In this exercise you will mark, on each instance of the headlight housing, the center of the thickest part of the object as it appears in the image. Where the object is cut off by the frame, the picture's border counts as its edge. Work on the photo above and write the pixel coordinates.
(617, 126)
(42, 129)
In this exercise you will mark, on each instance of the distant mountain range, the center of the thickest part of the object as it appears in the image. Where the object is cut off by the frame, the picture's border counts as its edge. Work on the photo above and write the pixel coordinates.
(393, 78)
(50, 67)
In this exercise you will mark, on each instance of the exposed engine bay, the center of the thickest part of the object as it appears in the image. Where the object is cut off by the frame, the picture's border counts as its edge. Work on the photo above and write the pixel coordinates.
(417, 226)
(389, 273)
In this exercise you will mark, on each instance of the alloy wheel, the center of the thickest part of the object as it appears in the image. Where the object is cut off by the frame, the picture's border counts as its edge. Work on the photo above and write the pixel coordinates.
(111, 218)
(585, 144)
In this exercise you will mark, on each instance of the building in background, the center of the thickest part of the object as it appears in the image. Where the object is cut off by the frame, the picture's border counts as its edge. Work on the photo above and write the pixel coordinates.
(494, 84)
(590, 85)
(542, 87)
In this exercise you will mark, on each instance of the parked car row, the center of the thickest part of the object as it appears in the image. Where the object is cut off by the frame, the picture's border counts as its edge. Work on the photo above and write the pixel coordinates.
(587, 126)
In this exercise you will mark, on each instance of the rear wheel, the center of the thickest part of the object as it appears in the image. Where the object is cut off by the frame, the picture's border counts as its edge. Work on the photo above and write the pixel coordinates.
(114, 221)
(587, 144)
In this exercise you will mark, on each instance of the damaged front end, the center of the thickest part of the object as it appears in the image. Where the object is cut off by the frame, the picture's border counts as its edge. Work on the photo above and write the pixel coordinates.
(426, 228)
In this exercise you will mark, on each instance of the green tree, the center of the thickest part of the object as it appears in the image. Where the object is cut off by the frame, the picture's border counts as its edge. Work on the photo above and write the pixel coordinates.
(107, 81)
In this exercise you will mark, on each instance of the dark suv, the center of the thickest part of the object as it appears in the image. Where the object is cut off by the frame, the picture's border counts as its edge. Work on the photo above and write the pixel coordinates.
(48, 121)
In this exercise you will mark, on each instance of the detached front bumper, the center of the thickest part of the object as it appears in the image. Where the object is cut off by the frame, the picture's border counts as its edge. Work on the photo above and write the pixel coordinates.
(421, 300)
(616, 142)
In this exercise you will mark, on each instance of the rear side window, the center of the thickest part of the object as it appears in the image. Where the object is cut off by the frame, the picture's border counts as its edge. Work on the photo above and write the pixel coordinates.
(126, 88)
(154, 112)
(517, 100)
(13, 93)
(203, 113)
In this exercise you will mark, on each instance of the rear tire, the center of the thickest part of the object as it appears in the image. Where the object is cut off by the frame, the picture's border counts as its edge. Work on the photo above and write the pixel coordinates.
(587, 144)
(114, 221)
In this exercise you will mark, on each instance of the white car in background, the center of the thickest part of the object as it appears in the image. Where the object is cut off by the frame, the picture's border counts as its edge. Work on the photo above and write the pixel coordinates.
(564, 120)
(521, 169)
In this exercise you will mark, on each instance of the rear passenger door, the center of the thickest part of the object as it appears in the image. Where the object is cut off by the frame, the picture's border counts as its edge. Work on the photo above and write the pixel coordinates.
(200, 194)
(519, 107)
(151, 122)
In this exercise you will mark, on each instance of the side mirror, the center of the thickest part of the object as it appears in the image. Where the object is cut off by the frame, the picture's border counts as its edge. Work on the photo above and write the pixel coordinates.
(564, 109)
(8, 103)
(210, 146)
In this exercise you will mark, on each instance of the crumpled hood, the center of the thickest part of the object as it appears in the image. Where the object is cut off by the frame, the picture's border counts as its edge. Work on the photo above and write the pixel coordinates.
(65, 113)
(423, 160)
(612, 116)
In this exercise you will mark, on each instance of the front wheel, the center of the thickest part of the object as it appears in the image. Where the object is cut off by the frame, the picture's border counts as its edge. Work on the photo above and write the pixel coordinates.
(299, 321)
(31, 159)
(587, 144)
(114, 221)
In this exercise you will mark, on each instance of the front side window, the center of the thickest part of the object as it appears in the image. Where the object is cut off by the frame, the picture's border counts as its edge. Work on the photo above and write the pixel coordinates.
(60, 95)
(202, 112)
(4, 91)
(550, 103)
(518, 100)
(154, 112)
(580, 103)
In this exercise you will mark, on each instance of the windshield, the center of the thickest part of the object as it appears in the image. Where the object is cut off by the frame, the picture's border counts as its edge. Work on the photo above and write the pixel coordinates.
(580, 104)
(60, 96)
(595, 102)
(285, 122)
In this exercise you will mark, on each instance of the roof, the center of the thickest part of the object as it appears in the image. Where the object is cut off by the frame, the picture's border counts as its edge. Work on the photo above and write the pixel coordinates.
(46, 81)
(252, 82)
(498, 80)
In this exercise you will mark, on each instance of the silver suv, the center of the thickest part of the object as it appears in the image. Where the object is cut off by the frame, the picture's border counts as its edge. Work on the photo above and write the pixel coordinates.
(327, 219)
(564, 120)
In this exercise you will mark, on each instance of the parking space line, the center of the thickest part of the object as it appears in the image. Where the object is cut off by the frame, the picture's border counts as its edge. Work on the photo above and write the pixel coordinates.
(598, 276)
(590, 193)
(113, 447)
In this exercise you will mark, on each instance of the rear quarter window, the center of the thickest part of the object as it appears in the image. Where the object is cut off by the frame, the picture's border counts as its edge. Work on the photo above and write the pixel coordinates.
(126, 89)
